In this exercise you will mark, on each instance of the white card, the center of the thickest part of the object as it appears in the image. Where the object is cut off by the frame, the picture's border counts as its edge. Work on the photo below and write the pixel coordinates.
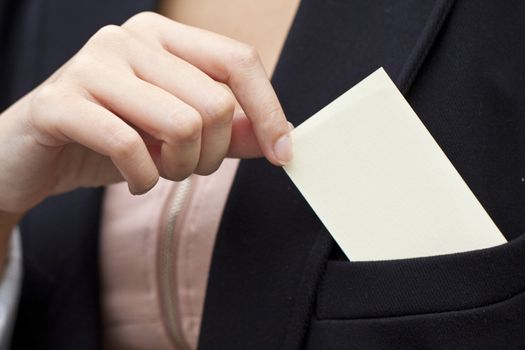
(380, 183)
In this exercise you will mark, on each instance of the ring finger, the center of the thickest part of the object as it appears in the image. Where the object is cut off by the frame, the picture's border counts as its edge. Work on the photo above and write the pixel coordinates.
(158, 113)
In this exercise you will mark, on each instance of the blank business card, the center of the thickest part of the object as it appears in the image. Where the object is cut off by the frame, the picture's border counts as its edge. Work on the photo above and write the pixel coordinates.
(380, 183)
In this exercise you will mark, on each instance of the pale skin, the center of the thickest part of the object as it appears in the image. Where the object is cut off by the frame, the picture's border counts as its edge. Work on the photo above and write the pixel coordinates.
(138, 101)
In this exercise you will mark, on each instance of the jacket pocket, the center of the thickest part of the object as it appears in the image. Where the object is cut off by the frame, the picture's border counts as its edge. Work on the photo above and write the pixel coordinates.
(466, 300)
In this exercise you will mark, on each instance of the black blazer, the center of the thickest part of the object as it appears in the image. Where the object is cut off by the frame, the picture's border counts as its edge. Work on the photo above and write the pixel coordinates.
(277, 279)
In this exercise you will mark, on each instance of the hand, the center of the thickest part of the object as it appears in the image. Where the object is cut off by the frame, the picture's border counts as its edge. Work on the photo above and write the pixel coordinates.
(137, 101)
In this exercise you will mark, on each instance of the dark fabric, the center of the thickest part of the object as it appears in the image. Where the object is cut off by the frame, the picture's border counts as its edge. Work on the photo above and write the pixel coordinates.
(262, 247)
(459, 63)
(59, 302)
(422, 285)
(9, 11)
(44, 34)
(461, 67)
(471, 300)
(496, 326)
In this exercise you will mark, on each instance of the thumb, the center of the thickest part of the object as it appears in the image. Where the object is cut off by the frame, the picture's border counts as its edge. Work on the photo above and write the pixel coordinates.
(243, 143)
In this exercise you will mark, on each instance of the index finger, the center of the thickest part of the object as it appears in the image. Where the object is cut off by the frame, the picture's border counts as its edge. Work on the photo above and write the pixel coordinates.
(235, 64)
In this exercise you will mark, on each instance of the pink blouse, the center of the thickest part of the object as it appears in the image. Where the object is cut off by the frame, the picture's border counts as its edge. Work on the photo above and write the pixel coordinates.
(131, 243)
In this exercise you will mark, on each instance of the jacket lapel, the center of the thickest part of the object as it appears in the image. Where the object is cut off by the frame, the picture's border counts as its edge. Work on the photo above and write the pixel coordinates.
(271, 247)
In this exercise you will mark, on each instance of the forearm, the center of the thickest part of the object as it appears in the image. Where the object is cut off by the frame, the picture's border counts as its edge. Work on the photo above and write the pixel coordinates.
(8, 221)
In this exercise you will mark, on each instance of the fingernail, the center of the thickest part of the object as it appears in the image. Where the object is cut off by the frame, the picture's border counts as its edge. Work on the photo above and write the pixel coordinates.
(138, 192)
(290, 126)
(134, 191)
(283, 149)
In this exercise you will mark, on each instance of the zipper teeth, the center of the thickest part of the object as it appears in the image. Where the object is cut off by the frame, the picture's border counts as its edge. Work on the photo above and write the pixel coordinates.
(169, 294)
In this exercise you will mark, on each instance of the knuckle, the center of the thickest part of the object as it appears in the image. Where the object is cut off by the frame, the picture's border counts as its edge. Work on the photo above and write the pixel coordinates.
(141, 19)
(44, 102)
(274, 120)
(110, 37)
(246, 55)
(125, 143)
(46, 95)
(81, 65)
(220, 108)
(275, 114)
(110, 31)
(187, 126)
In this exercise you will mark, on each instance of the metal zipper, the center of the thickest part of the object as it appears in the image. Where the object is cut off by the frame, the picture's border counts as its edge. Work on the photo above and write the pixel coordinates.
(167, 269)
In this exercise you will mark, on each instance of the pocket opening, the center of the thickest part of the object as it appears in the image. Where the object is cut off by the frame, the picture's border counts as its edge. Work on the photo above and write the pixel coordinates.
(392, 288)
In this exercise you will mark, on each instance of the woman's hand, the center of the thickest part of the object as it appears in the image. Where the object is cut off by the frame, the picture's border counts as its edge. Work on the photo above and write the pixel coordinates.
(137, 101)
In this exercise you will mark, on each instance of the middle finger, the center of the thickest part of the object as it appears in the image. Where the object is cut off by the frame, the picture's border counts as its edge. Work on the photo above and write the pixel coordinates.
(214, 102)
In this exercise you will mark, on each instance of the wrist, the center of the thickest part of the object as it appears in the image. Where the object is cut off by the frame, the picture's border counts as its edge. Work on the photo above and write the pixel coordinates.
(9, 220)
